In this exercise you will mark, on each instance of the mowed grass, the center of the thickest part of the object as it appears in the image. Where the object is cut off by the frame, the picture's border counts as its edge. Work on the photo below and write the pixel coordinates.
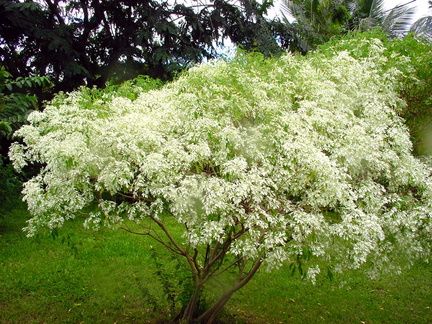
(110, 276)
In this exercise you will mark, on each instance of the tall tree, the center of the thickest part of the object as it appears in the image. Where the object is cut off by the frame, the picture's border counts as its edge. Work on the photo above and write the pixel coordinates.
(90, 41)
(423, 27)
(315, 21)
(318, 20)
(367, 14)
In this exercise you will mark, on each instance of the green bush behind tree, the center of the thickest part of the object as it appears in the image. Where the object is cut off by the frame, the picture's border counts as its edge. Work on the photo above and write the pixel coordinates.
(18, 99)
(416, 76)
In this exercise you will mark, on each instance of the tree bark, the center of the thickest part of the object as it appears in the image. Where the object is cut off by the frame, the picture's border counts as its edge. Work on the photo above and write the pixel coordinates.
(190, 311)
(209, 316)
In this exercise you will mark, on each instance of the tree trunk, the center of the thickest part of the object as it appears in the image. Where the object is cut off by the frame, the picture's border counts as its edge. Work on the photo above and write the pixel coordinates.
(191, 309)
(209, 316)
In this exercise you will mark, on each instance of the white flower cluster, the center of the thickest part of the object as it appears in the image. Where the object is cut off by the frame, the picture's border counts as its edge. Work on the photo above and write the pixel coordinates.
(300, 153)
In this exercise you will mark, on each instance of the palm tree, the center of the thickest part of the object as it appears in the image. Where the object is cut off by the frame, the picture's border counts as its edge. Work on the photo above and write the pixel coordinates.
(423, 27)
(318, 20)
(371, 13)
(315, 21)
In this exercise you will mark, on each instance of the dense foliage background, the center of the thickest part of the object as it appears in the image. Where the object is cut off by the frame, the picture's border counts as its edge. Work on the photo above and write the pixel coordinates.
(93, 41)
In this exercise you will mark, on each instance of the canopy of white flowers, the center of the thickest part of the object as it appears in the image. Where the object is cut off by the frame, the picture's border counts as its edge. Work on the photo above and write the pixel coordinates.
(303, 153)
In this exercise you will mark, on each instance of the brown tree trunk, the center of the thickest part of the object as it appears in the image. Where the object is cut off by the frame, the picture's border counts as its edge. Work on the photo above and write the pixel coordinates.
(191, 309)
(209, 316)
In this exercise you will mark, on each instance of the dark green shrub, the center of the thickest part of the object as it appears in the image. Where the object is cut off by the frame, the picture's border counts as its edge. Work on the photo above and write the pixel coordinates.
(416, 90)
(16, 100)
(10, 187)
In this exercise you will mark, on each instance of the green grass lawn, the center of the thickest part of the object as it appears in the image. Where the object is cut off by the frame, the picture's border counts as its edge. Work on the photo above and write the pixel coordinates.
(81, 276)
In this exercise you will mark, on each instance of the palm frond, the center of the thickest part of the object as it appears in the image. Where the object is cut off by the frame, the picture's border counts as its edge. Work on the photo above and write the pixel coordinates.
(366, 8)
(377, 9)
(367, 23)
(292, 8)
(422, 28)
(399, 19)
(367, 13)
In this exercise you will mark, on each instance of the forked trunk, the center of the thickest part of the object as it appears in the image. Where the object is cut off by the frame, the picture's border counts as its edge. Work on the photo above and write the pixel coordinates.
(190, 312)
(209, 316)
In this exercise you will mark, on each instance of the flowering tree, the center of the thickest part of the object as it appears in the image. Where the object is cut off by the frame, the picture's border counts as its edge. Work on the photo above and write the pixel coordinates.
(259, 161)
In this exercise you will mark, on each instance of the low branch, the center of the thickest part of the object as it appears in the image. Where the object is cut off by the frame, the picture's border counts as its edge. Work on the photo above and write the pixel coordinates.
(195, 270)
(225, 246)
(216, 274)
(153, 237)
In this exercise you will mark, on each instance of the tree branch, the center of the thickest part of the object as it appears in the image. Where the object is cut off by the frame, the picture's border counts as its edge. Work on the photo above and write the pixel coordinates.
(53, 7)
(194, 267)
(157, 239)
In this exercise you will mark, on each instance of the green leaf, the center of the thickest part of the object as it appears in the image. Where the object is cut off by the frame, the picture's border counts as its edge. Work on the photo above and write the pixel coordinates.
(54, 233)
(330, 274)
(4, 126)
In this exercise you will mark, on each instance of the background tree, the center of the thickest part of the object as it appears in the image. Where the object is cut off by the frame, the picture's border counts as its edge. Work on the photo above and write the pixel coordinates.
(316, 21)
(367, 14)
(17, 99)
(415, 79)
(423, 27)
(89, 42)
(245, 164)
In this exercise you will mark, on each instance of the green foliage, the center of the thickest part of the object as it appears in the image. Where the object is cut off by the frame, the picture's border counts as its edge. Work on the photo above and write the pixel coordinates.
(317, 21)
(132, 88)
(94, 98)
(17, 100)
(413, 59)
(92, 41)
(10, 186)
(173, 277)
(416, 89)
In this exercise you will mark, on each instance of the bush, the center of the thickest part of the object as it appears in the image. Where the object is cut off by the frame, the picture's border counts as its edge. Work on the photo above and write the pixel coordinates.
(16, 100)
(413, 58)
(10, 186)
